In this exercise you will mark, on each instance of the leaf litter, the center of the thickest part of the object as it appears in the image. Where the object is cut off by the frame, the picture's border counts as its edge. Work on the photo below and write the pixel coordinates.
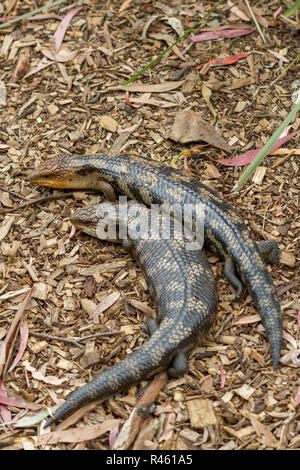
(57, 110)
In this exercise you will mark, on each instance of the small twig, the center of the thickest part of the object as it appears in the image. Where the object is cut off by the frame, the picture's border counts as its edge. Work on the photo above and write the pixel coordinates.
(98, 335)
(255, 21)
(76, 340)
(12, 193)
(283, 159)
(228, 320)
(57, 338)
(51, 197)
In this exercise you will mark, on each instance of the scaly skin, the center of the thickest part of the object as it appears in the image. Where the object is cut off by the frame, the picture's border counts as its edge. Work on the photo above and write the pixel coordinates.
(151, 182)
(184, 291)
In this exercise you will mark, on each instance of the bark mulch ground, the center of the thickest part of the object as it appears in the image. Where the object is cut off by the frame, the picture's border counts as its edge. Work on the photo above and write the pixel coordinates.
(62, 93)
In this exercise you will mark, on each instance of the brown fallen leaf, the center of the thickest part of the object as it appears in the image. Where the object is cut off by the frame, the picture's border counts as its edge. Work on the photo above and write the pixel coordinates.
(36, 374)
(152, 88)
(8, 344)
(64, 55)
(104, 305)
(262, 430)
(84, 433)
(132, 426)
(189, 127)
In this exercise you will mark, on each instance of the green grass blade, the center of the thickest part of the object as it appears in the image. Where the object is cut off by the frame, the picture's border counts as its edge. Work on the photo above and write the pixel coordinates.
(292, 9)
(30, 13)
(266, 148)
(140, 72)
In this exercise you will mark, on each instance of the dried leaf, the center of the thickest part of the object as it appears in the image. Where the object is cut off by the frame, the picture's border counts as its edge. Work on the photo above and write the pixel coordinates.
(153, 88)
(169, 425)
(289, 338)
(61, 30)
(262, 430)
(48, 379)
(247, 319)
(247, 157)
(124, 6)
(233, 33)
(4, 411)
(64, 55)
(24, 332)
(221, 61)
(279, 56)
(262, 21)
(7, 346)
(189, 127)
(14, 293)
(175, 24)
(81, 434)
(297, 396)
(154, 102)
(106, 303)
(19, 403)
(114, 432)
(222, 378)
(236, 11)
(41, 65)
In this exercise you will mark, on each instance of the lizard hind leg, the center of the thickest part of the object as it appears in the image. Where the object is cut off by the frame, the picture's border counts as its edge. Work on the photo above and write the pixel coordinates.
(178, 365)
(269, 251)
(230, 274)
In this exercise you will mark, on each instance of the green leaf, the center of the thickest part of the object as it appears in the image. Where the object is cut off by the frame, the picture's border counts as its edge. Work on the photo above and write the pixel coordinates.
(292, 9)
(266, 148)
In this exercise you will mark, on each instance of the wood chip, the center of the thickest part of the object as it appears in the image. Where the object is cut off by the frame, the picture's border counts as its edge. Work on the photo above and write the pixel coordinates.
(40, 291)
(189, 127)
(5, 226)
(287, 258)
(245, 391)
(201, 413)
(108, 123)
(88, 306)
(259, 175)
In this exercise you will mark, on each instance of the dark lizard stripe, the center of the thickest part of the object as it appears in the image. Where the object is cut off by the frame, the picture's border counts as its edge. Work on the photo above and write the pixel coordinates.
(150, 182)
(184, 291)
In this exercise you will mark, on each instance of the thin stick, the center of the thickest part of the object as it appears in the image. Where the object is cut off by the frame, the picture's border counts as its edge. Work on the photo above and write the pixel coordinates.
(255, 21)
(283, 159)
(57, 338)
(12, 193)
(30, 13)
(76, 340)
(98, 335)
(52, 197)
